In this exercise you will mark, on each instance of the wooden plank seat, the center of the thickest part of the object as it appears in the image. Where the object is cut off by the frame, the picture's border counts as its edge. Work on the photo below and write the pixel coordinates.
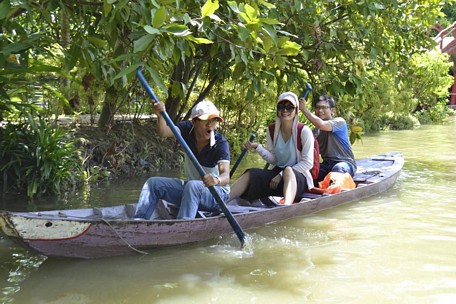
(310, 195)
(169, 211)
(364, 176)
(245, 209)
(117, 212)
(166, 210)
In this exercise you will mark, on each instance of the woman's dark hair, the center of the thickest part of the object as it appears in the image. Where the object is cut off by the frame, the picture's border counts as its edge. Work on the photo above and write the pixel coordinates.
(331, 102)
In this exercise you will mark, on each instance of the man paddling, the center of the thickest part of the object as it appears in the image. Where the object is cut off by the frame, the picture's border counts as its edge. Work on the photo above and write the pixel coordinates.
(211, 150)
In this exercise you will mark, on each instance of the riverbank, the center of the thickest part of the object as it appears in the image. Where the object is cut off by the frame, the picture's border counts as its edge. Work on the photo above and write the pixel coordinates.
(130, 147)
(126, 149)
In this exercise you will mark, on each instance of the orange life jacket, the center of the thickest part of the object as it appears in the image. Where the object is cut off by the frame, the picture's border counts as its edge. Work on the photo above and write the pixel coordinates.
(334, 182)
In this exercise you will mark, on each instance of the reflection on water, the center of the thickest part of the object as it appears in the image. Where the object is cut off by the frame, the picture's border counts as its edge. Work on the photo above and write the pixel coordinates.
(20, 265)
(396, 247)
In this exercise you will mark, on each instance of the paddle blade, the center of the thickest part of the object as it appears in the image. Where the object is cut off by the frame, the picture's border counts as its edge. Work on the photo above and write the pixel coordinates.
(306, 91)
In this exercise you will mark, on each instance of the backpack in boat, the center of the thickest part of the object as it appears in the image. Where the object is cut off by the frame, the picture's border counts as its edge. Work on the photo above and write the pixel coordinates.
(316, 165)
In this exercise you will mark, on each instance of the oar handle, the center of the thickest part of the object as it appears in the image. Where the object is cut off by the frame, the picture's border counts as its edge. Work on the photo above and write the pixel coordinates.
(236, 164)
(234, 224)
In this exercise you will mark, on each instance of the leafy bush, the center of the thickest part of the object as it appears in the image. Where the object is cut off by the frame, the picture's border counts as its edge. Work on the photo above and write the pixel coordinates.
(436, 114)
(390, 121)
(424, 80)
(38, 158)
(423, 116)
(440, 112)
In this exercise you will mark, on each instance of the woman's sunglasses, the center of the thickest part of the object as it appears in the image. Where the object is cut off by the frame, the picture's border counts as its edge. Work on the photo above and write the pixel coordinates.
(289, 108)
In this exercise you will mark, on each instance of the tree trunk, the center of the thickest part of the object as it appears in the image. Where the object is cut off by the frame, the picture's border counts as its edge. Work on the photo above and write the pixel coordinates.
(109, 108)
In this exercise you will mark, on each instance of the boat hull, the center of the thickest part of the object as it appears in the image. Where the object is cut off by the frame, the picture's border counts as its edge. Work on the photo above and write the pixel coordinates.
(110, 231)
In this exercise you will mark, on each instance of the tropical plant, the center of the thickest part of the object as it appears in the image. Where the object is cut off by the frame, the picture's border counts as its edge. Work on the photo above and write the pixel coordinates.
(38, 158)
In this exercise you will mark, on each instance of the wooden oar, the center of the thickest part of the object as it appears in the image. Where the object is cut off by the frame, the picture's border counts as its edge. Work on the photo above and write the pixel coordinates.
(236, 164)
(234, 224)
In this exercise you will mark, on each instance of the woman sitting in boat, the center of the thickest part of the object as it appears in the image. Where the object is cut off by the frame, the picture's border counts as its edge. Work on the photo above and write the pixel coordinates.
(332, 136)
(290, 177)
(211, 150)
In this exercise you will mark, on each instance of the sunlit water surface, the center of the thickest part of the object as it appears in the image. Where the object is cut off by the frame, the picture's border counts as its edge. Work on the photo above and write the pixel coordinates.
(396, 247)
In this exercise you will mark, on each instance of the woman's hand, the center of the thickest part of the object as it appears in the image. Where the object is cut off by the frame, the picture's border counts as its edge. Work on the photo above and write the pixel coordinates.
(250, 145)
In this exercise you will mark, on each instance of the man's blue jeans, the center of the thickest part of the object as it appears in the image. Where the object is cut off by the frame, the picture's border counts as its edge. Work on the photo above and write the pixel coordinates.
(189, 196)
(328, 166)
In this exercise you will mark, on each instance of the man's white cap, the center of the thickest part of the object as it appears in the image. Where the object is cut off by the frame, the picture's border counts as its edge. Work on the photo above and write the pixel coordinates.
(205, 110)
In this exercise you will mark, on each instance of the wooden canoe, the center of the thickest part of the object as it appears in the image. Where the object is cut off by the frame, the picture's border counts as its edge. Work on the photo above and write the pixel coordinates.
(111, 231)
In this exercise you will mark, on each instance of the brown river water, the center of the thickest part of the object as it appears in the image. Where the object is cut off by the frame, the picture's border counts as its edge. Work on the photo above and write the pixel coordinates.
(396, 247)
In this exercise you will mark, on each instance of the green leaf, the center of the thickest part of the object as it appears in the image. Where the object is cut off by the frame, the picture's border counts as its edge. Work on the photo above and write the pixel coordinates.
(243, 32)
(234, 7)
(177, 55)
(267, 42)
(270, 21)
(17, 47)
(151, 30)
(393, 67)
(251, 14)
(271, 32)
(350, 88)
(177, 29)
(130, 69)
(99, 43)
(373, 52)
(216, 18)
(142, 43)
(156, 78)
(289, 48)
(123, 57)
(159, 17)
(72, 57)
(209, 8)
(5, 7)
(266, 4)
(199, 40)
(106, 8)
(176, 89)
(239, 70)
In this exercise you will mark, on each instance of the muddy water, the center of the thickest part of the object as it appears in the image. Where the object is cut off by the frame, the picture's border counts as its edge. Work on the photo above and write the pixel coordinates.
(396, 247)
